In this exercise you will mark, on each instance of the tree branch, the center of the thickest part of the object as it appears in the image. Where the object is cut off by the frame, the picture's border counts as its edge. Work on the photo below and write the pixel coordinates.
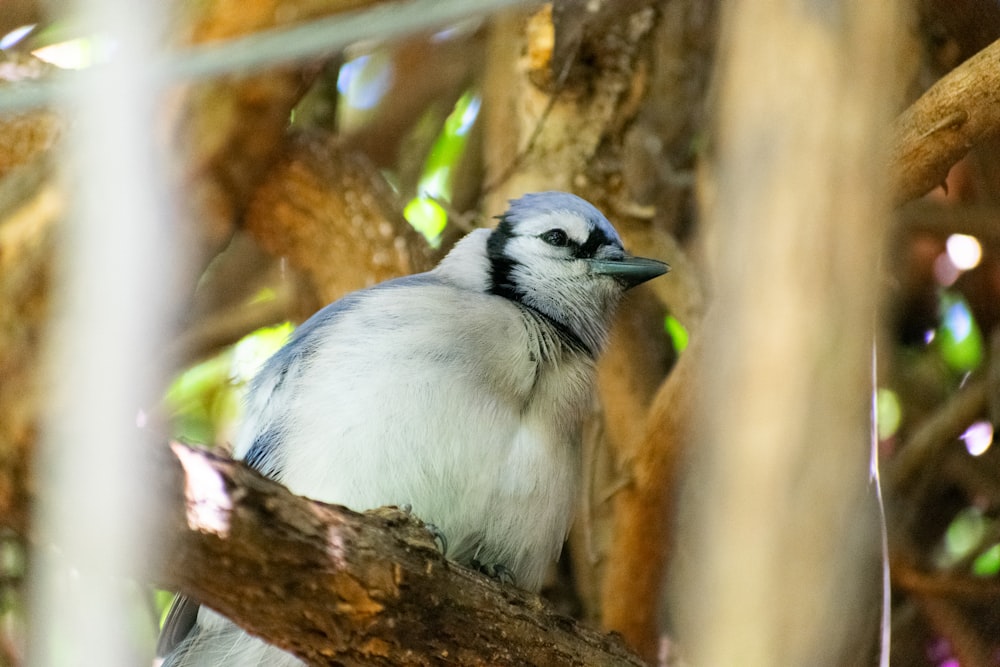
(956, 113)
(322, 208)
(979, 220)
(340, 588)
(645, 510)
(934, 434)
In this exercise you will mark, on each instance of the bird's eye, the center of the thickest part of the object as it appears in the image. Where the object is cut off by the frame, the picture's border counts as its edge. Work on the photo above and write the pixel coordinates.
(556, 237)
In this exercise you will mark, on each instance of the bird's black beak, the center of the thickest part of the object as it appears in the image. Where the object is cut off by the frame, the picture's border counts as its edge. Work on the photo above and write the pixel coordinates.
(629, 271)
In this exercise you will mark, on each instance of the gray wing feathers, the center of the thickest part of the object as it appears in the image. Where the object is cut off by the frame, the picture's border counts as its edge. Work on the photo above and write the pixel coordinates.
(183, 640)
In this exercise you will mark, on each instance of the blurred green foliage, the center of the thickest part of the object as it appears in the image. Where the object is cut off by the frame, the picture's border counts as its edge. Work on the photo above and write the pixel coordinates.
(889, 412)
(958, 338)
(427, 217)
(963, 537)
(204, 400)
(987, 564)
(677, 333)
(424, 211)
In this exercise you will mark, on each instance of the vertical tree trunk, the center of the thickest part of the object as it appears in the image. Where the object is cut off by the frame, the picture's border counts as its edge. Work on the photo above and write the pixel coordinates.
(781, 529)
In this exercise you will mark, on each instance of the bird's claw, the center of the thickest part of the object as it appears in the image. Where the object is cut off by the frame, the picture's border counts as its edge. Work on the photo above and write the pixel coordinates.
(439, 538)
(496, 571)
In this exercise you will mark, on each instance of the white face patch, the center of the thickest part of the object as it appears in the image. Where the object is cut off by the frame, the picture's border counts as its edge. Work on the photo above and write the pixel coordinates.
(576, 228)
(537, 262)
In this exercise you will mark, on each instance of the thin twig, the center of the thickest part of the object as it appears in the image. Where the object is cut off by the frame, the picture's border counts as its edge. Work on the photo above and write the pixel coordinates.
(935, 434)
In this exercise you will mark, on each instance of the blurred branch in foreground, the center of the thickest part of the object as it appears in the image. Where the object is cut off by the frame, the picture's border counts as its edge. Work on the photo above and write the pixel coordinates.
(782, 564)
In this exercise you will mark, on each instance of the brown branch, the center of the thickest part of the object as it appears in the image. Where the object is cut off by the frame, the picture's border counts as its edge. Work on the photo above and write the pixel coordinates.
(944, 220)
(32, 203)
(230, 130)
(644, 512)
(211, 333)
(934, 434)
(951, 622)
(517, 99)
(25, 135)
(777, 532)
(344, 588)
(957, 587)
(956, 113)
(324, 208)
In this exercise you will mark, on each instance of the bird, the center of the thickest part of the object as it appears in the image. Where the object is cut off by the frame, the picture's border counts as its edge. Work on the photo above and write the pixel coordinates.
(458, 393)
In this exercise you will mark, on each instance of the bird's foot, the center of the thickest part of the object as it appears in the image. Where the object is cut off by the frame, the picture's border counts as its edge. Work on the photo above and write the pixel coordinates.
(411, 527)
(496, 571)
(439, 538)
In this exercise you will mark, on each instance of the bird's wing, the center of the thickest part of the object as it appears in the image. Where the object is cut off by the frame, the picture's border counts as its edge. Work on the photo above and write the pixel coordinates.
(263, 427)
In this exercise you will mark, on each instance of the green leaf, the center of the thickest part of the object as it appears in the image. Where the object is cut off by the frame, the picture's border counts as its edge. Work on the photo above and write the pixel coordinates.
(964, 535)
(987, 564)
(427, 217)
(437, 179)
(206, 397)
(889, 412)
(677, 332)
(959, 339)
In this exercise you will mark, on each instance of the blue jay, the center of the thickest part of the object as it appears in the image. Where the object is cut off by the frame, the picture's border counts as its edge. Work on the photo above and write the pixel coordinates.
(458, 392)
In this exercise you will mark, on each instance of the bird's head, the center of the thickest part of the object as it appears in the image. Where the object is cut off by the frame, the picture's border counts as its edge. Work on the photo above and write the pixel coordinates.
(558, 255)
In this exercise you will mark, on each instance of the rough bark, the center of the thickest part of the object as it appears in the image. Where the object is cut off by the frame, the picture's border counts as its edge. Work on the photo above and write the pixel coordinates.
(324, 208)
(340, 588)
(231, 130)
(563, 105)
(958, 112)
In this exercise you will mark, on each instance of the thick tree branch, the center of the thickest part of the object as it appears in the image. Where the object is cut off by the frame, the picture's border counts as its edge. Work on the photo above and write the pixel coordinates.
(340, 588)
(323, 208)
(32, 204)
(938, 129)
(645, 510)
(778, 561)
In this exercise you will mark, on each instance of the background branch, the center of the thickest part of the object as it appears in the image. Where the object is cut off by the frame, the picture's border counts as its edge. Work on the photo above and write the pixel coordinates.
(927, 443)
(935, 132)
